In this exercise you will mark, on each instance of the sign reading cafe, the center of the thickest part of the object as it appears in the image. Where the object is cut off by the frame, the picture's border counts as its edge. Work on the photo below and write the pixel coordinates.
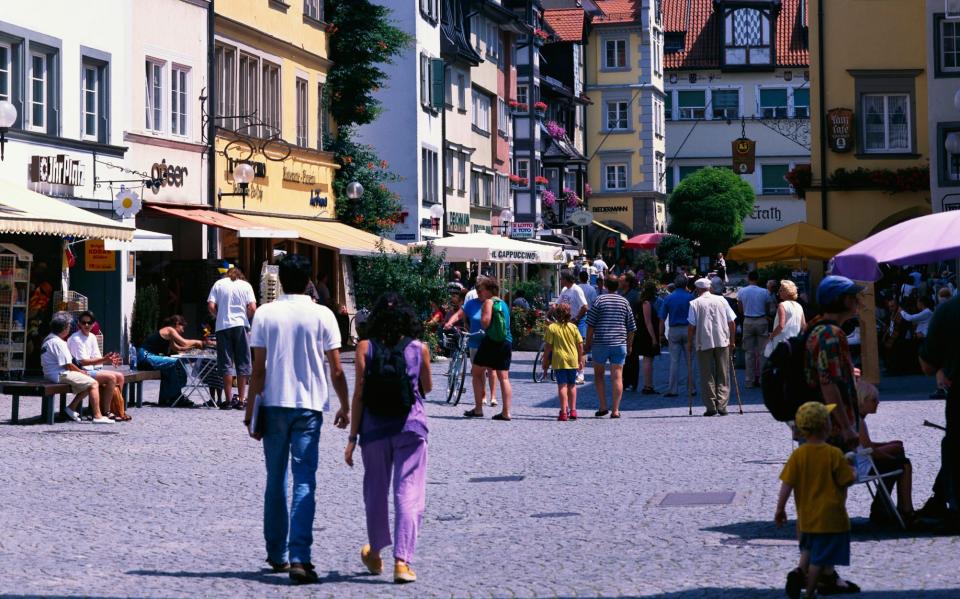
(57, 170)
(840, 129)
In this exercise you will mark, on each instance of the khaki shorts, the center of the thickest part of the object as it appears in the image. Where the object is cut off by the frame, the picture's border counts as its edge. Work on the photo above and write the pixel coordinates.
(78, 381)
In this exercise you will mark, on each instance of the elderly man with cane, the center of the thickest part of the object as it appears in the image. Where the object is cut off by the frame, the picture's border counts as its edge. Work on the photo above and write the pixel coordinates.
(712, 331)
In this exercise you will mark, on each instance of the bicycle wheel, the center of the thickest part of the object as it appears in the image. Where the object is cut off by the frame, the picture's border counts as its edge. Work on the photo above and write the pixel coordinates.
(537, 369)
(461, 379)
(452, 371)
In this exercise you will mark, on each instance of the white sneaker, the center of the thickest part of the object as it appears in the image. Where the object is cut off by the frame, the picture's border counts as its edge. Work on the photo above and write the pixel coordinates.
(102, 420)
(580, 380)
(72, 415)
(493, 402)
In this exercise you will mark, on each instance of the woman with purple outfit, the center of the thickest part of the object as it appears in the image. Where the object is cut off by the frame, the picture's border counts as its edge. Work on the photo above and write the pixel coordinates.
(392, 446)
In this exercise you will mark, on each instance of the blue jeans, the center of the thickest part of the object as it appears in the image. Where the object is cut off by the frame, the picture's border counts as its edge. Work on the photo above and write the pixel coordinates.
(172, 376)
(290, 435)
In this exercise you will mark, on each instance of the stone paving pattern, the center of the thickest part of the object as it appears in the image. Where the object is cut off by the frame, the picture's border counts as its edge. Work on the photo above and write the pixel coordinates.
(169, 505)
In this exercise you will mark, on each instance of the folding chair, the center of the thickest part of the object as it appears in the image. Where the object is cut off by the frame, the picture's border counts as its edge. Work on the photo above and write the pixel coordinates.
(869, 475)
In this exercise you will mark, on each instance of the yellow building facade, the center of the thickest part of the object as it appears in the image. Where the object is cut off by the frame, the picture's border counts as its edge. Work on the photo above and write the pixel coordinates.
(874, 98)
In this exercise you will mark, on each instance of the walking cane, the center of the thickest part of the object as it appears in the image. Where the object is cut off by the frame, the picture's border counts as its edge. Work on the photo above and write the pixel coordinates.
(736, 383)
(689, 390)
(934, 425)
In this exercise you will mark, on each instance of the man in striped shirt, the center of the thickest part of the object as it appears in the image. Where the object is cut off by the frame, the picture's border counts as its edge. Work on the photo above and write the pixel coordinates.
(610, 327)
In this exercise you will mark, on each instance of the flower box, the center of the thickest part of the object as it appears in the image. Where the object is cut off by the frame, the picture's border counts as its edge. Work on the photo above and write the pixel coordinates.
(541, 109)
(519, 108)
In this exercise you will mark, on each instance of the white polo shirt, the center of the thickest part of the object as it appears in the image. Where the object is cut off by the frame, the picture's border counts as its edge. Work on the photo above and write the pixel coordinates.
(84, 347)
(711, 315)
(231, 298)
(296, 333)
(54, 357)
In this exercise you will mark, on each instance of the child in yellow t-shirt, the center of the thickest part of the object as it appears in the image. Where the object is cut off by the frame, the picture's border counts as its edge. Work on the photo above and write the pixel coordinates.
(564, 352)
(818, 475)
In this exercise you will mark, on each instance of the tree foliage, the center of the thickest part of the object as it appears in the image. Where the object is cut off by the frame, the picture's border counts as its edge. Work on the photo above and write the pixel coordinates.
(416, 277)
(708, 207)
(378, 209)
(146, 314)
(676, 250)
(362, 39)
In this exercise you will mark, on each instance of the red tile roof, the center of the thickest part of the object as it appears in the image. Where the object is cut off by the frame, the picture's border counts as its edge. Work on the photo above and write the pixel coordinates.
(618, 11)
(566, 23)
(704, 32)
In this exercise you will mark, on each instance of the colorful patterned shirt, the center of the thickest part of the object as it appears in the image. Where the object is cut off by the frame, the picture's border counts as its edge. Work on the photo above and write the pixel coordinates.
(828, 361)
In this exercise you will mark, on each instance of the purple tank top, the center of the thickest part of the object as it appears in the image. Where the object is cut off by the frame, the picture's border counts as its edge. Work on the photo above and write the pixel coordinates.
(374, 428)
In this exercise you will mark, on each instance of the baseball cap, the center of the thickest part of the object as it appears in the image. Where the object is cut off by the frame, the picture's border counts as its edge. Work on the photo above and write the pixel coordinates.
(833, 286)
(814, 416)
(716, 285)
(703, 283)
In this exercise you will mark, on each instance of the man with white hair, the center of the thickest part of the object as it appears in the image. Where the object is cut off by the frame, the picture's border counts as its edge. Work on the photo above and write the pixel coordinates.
(712, 332)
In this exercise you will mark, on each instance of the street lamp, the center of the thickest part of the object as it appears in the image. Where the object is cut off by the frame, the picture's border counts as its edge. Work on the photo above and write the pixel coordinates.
(243, 174)
(436, 213)
(506, 217)
(354, 190)
(8, 116)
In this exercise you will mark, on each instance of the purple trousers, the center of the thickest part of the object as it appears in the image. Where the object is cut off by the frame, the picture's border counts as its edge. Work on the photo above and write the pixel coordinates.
(404, 458)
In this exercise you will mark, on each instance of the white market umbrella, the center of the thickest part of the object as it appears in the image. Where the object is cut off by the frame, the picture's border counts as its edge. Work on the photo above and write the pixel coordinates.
(484, 247)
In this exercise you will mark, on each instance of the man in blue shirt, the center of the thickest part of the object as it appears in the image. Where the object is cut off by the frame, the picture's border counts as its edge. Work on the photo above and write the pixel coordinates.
(753, 306)
(675, 309)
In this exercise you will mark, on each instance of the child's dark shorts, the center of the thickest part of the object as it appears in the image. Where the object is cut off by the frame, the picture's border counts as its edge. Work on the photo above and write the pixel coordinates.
(827, 548)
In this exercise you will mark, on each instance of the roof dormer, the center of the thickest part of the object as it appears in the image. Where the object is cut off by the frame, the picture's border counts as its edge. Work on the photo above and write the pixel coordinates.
(748, 33)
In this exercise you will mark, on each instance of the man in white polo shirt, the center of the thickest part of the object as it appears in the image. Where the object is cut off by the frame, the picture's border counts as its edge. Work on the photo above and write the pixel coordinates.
(232, 303)
(290, 339)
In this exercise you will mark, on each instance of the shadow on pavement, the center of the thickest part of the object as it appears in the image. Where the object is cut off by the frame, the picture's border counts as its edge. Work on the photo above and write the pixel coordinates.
(765, 530)
(739, 593)
(265, 576)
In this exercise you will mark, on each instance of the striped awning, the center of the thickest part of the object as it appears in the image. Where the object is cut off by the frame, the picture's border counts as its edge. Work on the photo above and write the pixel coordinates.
(27, 212)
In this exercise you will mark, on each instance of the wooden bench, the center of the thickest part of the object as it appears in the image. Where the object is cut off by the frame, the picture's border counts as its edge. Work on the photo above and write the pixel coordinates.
(45, 390)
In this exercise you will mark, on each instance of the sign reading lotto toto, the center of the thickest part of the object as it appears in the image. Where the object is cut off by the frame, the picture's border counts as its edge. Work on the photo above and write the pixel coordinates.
(840, 129)
(522, 230)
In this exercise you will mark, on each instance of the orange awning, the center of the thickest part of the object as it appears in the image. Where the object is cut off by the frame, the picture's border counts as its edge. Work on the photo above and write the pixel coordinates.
(243, 227)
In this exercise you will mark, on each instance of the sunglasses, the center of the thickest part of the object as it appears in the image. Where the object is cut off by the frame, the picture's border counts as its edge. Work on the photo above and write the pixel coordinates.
(86, 322)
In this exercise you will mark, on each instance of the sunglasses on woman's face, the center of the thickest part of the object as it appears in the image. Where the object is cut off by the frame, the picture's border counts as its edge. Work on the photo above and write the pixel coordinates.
(86, 323)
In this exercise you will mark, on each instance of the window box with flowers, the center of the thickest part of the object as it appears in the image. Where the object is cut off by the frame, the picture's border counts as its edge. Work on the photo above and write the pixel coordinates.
(556, 130)
(541, 109)
(519, 108)
(914, 178)
(542, 183)
(800, 179)
(517, 182)
(540, 37)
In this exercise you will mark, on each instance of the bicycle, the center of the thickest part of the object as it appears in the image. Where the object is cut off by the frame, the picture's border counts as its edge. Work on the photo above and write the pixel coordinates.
(457, 371)
(538, 374)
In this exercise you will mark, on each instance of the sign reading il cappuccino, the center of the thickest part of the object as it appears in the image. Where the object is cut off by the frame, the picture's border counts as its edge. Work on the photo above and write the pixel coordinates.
(58, 170)
(840, 129)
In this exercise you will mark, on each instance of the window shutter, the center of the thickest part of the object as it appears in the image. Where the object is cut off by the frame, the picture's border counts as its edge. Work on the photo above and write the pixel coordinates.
(436, 83)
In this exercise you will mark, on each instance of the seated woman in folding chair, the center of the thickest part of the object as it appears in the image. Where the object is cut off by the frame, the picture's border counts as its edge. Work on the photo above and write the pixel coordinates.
(888, 456)
(155, 353)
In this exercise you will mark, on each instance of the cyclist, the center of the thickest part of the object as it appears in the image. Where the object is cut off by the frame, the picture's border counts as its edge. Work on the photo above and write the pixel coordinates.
(452, 309)
(468, 315)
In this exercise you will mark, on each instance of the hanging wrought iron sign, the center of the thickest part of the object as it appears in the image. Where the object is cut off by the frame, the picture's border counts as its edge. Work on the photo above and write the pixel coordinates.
(744, 156)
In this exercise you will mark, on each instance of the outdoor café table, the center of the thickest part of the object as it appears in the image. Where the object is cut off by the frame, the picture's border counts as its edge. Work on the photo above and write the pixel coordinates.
(197, 364)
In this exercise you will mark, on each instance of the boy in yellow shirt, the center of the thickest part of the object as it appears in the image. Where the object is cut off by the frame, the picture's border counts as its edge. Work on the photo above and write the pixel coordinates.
(564, 351)
(818, 475)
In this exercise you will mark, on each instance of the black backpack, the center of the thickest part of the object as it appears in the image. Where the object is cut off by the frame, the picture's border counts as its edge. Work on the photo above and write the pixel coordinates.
(387, 388)
(782, 379)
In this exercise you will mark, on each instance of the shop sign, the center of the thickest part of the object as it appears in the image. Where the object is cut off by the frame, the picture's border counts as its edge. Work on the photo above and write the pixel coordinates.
(97, 259)
(522, 230)
(299, 176)
(769, 215)
(458, 222)
(482, 229)
(840, 129)
(513, 255)
(580, 218)
(744, 156)
(598, 209)
(57, 170)
(168, 175)
(259, 168)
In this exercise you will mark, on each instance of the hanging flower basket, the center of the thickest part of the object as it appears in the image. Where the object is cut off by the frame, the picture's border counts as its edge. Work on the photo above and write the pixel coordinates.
(519, 108)
(549, 199)
(541, 109)
(571, 198)
(540, 37)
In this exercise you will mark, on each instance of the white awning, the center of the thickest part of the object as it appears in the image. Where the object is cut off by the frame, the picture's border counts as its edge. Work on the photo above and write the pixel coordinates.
(25, 211)
(143, 241)
(484, 247)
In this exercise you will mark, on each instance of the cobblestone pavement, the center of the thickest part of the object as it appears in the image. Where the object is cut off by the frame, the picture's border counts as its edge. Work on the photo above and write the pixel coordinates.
(169, 505)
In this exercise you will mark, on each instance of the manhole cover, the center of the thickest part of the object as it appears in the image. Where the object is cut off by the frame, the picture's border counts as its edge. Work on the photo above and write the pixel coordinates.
(497, 479)
(78, 432)
(555, 515)
(695, 499)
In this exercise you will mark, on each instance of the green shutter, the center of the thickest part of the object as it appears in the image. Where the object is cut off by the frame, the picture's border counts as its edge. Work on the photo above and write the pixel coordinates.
(692, 99)
(801, 97)
(436, 83)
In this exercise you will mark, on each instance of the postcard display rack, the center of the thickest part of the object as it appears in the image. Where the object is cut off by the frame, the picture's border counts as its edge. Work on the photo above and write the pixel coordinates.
(14, 297)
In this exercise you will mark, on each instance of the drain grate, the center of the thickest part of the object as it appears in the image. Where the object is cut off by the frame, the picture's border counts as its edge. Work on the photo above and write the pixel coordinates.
(78, 432)
(696, 499)
(497, 479)
(556, 515)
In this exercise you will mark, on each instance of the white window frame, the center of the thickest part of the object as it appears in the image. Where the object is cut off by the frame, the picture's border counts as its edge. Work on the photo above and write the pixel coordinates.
(424, 80)
(180, 100)
(155, 93)
(620, 113)
(503, 117)
(429, 193)
(619, 54)
(617, 168)
(476, 183)
(886, 124)
(481, 111)
(313, 9)
(6, 68)
(225, 58)
(86, 91)
(461, 172)
(690, 113)
(522, 96)
(45, 81)
(449, 166)
(248, 92)
(523, 168)
(941, 32)
(714, 108)
(503, 191)
(270, 102)
(302, 107)
(784, 189)
(793, 104)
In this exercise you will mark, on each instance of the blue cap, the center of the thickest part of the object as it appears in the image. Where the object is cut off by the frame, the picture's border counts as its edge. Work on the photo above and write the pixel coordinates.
(833, 287)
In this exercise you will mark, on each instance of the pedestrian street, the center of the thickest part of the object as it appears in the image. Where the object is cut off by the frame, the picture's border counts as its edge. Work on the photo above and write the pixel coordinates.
(170, 504)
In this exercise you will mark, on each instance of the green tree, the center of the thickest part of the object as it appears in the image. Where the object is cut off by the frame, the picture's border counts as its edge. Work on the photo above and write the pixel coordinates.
(362, 39)
(416, 277)
(708, 207)
(676, 250)
(146, 314)
(378, 209)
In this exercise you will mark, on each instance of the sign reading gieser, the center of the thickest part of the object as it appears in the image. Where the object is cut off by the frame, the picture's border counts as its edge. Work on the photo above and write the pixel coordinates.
(59, 170)
(840, 129)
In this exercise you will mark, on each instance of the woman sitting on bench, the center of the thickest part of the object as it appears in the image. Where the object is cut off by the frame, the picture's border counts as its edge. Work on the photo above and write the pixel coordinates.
(155, 354)
(888, 456)
(86, 354)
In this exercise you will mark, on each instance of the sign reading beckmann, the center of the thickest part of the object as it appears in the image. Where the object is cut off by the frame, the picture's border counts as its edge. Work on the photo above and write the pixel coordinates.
(57, 170)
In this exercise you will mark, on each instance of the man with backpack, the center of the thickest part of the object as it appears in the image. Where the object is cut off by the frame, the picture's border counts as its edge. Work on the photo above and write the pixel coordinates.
(293, 339)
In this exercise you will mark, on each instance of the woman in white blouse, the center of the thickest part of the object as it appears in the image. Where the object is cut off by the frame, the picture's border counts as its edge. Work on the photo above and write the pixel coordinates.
(790, 320)
(920, 320)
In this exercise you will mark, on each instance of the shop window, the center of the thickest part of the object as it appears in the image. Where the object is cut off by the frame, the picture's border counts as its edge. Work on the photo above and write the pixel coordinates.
(773, 179)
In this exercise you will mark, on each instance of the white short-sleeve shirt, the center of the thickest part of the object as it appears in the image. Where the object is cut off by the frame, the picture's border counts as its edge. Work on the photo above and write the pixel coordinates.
(54, 357)
(296, 334)
(231, 298)
(84, 347)
(573, 296)
(711, 315)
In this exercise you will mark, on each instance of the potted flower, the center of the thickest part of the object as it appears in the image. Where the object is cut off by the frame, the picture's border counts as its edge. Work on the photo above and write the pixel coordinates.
(541, 109)
(540, 36)
(800, 178)
(571, 198)
(542, 182)
(518, 182)
(519, 108)
(549, 199)
(556, 130)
